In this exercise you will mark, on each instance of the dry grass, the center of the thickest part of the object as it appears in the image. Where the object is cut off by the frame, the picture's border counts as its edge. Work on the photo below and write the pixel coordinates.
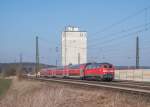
(38, 94)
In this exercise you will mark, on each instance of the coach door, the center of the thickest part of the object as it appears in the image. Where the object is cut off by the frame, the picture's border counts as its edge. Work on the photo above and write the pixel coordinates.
(88, 70)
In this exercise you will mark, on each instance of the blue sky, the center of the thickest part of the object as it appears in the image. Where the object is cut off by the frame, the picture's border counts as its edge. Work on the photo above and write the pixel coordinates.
(22, 20)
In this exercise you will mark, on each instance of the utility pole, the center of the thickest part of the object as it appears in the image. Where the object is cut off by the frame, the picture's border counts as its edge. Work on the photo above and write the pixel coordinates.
(20, 58)
(37, 57)
(20, 62)
(78, 58)
(19, 68)
(56, 55)
(137, 52)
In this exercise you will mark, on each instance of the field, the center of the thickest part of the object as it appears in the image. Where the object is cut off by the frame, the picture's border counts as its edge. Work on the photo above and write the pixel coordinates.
(4, 85)
(27, 93)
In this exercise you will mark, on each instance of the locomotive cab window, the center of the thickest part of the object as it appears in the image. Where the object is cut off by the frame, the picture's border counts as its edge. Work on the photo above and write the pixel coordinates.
(110, 66)
(105, 66)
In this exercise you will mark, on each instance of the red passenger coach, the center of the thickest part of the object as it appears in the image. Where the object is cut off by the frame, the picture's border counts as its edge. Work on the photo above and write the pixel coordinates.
(100, 71)
(44, 72)
(75, 70)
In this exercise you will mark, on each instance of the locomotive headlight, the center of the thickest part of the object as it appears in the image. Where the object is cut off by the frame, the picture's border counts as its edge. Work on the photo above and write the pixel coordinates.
(105, 71)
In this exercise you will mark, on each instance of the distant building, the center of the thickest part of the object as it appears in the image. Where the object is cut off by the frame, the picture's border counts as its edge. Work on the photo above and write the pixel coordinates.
(74, 46)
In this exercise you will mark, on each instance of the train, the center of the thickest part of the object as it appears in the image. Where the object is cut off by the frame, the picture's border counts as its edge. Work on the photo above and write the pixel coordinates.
(97, 71)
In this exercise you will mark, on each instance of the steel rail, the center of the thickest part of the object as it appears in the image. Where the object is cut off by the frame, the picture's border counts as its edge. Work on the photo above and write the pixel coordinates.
(98, 85)
(128, 84)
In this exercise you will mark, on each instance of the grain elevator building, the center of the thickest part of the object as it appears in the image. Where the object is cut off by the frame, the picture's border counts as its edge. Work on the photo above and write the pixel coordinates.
(74, 46)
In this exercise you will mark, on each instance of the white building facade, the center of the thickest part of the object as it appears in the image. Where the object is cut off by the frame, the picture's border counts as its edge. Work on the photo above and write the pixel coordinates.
(74, 46)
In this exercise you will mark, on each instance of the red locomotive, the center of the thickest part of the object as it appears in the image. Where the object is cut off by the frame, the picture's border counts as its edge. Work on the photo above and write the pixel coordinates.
(101, 71)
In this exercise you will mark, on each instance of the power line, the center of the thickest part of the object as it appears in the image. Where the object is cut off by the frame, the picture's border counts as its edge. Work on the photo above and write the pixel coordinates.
(68, 46)
(122, 31)
(37, 56)
(137, 52)
(121, 21)
(104, 42)
(121, 37)
(130, 29)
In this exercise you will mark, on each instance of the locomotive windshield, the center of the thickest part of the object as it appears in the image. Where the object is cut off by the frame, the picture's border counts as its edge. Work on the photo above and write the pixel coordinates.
(93, 66)
(98, 65)
(107, 65)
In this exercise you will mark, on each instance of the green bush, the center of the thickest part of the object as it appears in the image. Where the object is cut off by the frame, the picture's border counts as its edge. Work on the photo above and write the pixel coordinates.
(4, 85)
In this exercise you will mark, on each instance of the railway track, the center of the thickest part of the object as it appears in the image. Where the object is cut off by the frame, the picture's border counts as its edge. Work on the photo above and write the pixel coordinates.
(133, 82)
(132, 87)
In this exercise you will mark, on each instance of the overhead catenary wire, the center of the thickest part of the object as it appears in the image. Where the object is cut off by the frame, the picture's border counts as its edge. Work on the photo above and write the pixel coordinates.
(103, 42)
(116, 54)
(121, 21)
(120, 37)
(114, 37)
(119, 32)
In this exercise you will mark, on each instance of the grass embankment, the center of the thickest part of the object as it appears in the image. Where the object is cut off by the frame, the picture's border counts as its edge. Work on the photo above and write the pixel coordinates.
(4, 85)
(50, 94)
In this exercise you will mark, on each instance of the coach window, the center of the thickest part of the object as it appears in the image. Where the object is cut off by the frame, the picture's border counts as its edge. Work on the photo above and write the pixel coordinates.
(93, 66)
(99, 65)
(89, 67)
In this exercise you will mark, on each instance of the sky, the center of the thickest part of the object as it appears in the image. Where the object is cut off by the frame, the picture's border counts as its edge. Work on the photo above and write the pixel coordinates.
(111, 25)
